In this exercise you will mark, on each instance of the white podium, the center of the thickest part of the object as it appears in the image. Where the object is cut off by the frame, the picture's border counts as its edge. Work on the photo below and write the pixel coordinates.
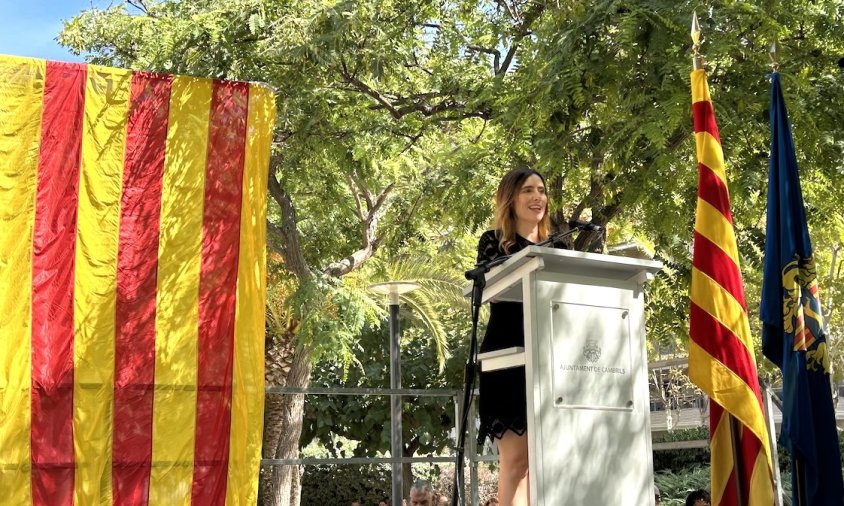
(589, 437)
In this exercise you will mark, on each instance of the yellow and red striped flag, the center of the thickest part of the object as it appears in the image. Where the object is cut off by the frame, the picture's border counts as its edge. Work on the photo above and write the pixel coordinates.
(132, 285)
(721, 359)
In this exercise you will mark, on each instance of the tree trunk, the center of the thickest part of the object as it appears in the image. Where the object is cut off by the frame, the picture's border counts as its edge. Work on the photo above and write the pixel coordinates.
(282, 488)
(406, 479)
(278, 359)
(296, 485)
(408, 450)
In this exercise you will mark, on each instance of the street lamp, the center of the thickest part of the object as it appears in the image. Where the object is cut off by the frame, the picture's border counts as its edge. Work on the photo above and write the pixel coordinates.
(393, 289)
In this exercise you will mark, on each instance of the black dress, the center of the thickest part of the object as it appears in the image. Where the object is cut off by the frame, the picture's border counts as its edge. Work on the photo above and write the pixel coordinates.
(502, 402)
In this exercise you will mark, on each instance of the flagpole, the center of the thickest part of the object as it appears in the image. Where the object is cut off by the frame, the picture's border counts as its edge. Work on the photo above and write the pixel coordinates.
(773, 54)
(698, 63)
(735, 427)
(772, 440)
(697, 58)
(797, 480)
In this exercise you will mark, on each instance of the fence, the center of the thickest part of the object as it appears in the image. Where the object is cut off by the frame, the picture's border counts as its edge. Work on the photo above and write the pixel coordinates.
(473, 457)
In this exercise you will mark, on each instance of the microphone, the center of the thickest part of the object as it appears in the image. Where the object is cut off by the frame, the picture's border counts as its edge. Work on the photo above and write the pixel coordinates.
(585, 225)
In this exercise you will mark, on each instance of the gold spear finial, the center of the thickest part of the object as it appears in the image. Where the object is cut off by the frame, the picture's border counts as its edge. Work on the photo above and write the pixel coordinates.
(697, 58)
(774, 55)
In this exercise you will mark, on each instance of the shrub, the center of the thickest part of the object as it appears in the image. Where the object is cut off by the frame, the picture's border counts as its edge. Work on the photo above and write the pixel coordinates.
(676, 460)
(324, 485)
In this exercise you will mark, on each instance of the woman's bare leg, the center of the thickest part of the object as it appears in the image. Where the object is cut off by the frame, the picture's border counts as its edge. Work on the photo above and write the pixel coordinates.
(513, 470)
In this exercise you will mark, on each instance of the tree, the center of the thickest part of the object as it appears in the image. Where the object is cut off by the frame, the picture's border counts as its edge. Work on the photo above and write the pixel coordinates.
(396, 115)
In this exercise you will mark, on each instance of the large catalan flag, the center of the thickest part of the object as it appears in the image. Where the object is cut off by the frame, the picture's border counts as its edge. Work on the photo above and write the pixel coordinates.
(793, 334)
(721, 360)
(132, 267)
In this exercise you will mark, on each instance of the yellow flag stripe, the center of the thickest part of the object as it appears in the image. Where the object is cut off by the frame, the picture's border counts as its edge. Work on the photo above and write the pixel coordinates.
(720, 303)
(103, 144)
(709, 153)
(700, 88)
(248, 368)
(761, 483)
(728, 390)
(21, 97)
(177, 296)
(721, 448)
(713, 225)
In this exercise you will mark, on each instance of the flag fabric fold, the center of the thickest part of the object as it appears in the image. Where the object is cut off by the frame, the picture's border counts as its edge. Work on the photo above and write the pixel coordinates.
(793, 334)
(132, 285)
(721, 358)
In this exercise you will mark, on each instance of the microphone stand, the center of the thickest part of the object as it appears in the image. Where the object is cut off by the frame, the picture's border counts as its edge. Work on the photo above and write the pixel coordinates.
(478, 277)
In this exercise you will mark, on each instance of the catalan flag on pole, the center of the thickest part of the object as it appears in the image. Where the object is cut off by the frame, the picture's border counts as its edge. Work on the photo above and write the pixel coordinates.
(793, 334)
(721, 360)
(132, 282)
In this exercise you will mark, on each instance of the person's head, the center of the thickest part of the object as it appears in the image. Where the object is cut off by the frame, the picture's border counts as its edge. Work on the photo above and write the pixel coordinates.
(698, 498)
(491, 502)
(421, 494)
(521, 198)
(657, 496)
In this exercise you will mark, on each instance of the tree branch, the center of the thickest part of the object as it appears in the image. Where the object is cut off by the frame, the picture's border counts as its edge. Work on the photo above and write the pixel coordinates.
(141, 6)
(523, 31)
(494, 52)
(367, 195)
(366, 89)
(276, 232)
(356, 195)
(484, 115)
(481, 133)
(413, 139)
(506, 7)
(291, 251)
(397, 112)
(418, 65)
(371, 241)
(676, 139)
(430, 110)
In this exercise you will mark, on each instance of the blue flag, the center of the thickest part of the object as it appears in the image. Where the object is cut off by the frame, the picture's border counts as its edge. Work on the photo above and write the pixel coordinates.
(792, 327)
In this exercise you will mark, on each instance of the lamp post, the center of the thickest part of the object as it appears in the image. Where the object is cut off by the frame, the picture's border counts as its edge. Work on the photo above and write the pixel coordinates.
(393, 289)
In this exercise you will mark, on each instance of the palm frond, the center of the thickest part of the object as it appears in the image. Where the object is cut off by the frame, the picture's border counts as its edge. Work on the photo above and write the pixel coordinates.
(438, 289)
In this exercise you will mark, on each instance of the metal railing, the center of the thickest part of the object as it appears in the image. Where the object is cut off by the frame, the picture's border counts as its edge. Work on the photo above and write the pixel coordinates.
(769, 397)
(456, 396)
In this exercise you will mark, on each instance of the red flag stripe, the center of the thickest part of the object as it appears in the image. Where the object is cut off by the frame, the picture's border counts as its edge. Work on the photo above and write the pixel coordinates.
(217, 289)
(724, 346)
(730, 497)
(750, 448)
(715, 263)
(713, 191)
(704, 118)
(137, 268)
(54, 245)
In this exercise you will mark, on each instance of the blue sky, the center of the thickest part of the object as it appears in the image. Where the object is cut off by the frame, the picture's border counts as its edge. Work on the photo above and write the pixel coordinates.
(30, 27)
